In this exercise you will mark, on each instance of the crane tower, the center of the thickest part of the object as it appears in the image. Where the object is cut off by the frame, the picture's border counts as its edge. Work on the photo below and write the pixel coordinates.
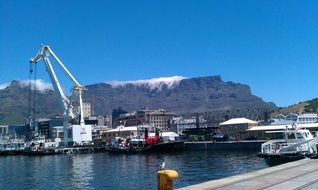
(74, 128)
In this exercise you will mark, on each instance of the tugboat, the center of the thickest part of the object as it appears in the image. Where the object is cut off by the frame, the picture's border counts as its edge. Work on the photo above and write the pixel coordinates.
(40, 146)
(145, 141)
(296, 144)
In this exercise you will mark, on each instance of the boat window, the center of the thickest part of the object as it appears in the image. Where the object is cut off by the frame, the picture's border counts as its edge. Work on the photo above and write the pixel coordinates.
(299, 136)
(291, 136)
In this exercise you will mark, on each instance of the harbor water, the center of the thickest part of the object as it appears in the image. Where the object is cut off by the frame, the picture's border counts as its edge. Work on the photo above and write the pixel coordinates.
(118, 171)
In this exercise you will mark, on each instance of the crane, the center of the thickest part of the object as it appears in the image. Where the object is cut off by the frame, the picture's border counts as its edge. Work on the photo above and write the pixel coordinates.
(74, 126)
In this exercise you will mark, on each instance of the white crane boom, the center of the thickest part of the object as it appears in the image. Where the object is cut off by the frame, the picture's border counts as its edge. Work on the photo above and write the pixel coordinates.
(73, 133)
(69, 112)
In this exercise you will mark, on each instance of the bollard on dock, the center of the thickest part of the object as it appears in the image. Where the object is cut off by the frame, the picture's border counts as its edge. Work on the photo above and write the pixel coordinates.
(165, 178)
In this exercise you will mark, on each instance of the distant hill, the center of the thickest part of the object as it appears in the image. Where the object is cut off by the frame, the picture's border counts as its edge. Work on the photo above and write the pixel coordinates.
(309, 106)
(177, 94)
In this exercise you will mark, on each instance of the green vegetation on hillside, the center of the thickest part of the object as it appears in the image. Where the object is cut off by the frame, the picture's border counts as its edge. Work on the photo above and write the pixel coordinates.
(312, 106)
(309, 106)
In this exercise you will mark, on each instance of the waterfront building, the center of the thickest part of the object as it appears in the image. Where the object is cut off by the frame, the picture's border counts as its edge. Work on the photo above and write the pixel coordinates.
(159, 118)
(155, 118)
(87, 108)
(307, 118)
(100, 120)
(19, 130)
(181, 124)
(236, 127)
(44, 126)
(130, 119)
(291, 117)
(295, 118)
(98, 131)
(53, 128)
(57, 132)
(280, 117)
(4, 129)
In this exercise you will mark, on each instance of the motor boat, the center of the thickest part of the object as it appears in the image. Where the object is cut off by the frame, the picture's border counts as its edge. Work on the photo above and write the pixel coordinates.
(296, 144)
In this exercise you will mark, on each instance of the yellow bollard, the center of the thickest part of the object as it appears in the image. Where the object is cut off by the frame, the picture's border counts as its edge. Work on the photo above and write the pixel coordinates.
(165, 178)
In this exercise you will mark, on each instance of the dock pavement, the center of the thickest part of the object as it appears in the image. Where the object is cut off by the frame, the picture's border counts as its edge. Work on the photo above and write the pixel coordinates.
(298, 175)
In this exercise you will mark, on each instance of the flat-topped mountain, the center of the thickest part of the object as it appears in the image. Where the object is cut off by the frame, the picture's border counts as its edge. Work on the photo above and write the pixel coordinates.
(177, 94)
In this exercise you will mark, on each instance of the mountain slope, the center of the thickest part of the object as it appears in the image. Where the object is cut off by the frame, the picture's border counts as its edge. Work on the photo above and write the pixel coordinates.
(309, 106)
(200, 94)
(14, 104)
(177, 94)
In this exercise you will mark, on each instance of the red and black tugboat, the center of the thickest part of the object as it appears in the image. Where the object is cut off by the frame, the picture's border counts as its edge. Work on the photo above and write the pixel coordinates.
(146, 142)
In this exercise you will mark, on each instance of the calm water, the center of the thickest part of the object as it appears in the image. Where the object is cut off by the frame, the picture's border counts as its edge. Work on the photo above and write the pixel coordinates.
(108, 171)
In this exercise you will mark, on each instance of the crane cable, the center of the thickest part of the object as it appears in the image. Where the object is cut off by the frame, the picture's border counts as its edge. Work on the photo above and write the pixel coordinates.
(34, 91)
(29, 97)
(32, 94)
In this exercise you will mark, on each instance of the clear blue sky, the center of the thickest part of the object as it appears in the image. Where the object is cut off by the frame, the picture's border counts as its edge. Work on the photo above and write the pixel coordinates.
(270, 45)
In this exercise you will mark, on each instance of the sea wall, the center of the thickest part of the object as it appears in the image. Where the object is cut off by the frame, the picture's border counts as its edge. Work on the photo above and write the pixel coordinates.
(231, 145)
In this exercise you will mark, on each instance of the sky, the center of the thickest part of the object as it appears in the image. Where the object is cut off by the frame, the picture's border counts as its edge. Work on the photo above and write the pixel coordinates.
(270, 45)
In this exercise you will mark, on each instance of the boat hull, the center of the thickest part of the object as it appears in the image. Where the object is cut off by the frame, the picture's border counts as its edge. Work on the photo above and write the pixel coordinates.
(276, 159)
(166, 146)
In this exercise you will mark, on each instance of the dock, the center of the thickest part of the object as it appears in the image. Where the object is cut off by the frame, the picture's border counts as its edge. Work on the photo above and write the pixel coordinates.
(300, 175)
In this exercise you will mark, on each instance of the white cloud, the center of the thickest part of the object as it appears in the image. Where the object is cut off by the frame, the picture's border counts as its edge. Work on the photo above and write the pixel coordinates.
(39, 84)
(4, 85)
(155, 83)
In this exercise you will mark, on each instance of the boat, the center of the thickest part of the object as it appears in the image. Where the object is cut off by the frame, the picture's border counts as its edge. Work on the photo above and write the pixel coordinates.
(296, 144)
(146, 142)
(11, 146)
(39, 145)
(122, 145)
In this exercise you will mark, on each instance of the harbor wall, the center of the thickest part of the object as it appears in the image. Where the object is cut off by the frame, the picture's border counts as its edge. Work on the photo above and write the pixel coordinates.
(231, 145)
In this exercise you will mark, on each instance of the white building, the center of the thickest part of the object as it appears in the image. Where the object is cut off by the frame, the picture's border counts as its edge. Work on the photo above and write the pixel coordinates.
(280, 119)
(307, 118)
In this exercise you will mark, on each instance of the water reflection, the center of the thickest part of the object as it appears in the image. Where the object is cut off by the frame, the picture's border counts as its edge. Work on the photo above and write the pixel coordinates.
(82, 171)
(108, 171)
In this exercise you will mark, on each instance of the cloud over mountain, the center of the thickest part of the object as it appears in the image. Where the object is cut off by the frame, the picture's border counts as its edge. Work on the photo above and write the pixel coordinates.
(39, 84)
(4, 85)
(154, 83)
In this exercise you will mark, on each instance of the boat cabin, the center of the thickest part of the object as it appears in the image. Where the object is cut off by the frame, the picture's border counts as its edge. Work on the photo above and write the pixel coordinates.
(297, 135)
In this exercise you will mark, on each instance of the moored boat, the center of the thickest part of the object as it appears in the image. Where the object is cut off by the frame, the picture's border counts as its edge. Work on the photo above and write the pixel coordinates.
(146, 142)
(41, 146)
(295, 144)
(11, 146)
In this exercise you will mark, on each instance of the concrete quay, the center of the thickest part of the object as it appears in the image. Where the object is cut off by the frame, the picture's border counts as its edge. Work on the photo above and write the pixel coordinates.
(298, 175)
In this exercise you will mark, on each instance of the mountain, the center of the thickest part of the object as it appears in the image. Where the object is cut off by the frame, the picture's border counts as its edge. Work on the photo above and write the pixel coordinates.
(14, 103)
(177, 94)
(180, 95)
